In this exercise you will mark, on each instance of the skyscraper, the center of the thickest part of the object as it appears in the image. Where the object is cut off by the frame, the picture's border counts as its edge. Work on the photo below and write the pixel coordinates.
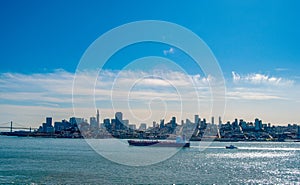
(107, 124)
(196, 119)
(94, 123)
(49, 121)
(162, 123)
(98, 117)
(173, 122)
(258, 124)
(154, 124)
(119, 116)
(118, 119)
(143, 126)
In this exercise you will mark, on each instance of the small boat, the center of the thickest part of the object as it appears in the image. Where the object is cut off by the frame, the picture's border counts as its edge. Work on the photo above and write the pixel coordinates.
(158, 143)
(231, 147)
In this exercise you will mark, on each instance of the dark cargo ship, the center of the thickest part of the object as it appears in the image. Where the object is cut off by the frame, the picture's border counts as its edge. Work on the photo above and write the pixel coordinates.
(158, 143)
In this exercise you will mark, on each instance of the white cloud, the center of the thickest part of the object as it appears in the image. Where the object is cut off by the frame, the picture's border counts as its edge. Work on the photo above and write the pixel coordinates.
(250, 95)
(31, 97)
(261, 79)
(169, 51)
(53, 91)
(236, 77)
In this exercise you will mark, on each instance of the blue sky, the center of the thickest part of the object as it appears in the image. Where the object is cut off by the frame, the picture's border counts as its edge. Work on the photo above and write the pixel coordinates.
(242, 34)
(255, 42)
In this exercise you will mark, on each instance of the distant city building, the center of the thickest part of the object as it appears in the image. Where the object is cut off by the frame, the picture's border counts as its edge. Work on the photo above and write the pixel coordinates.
(49, 121)
(173, 122)
(243, 124)
(196, 121)
(118, 121)
(58, 126)
(94, 123)
(212, 120)
(188, 122)
(125, 123)
(119, 116)
(132, 126)
(106, 123)
(258, 124)
(143, 126)
(61, 126)
(154, 124)
(98, 118)
(113, 124)
(76, 121)
(162, 123)
(47, 127)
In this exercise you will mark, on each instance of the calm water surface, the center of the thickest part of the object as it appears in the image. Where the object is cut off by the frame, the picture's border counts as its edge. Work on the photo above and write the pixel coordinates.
(73, 161)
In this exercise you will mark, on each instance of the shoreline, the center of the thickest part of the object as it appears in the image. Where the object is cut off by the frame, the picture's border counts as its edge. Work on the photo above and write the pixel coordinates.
(225, 140)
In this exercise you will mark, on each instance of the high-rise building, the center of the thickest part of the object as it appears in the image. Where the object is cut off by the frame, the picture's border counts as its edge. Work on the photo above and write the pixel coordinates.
(74, 121)
(94, 123)
(212, 120)
(162, 123)
(235, 124)
(58, 126)
(119, 116)
(98, 117)
(125, 123)
(173, 122)
(132, 126)
(113, 124)
(243, 124)
(258, 124)
(119, 121)
(143, 126)
(49, 121)
(203, 124)
(220, 120)
(188, 122)
(106, 123)
(47, 127)
(196, 119)
(154, 124)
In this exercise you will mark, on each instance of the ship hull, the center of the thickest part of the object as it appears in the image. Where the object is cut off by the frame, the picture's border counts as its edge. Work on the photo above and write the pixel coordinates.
(158, 143)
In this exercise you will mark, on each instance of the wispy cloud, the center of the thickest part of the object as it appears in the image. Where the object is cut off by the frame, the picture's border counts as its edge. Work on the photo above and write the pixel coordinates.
(253, 94)
(35, 96)
(281, 69)
(260, 79)
(169, 51)
(53, 91)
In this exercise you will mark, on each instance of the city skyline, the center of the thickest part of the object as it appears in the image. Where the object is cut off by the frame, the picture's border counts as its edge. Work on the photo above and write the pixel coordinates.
(254, 42)
(193, 130)
(98, 121)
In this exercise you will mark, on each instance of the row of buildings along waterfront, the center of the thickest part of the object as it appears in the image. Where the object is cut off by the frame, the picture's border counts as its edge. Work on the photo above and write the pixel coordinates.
(238, 130)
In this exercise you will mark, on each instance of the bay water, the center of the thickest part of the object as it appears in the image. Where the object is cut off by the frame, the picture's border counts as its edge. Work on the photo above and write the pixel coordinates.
(25, 160)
